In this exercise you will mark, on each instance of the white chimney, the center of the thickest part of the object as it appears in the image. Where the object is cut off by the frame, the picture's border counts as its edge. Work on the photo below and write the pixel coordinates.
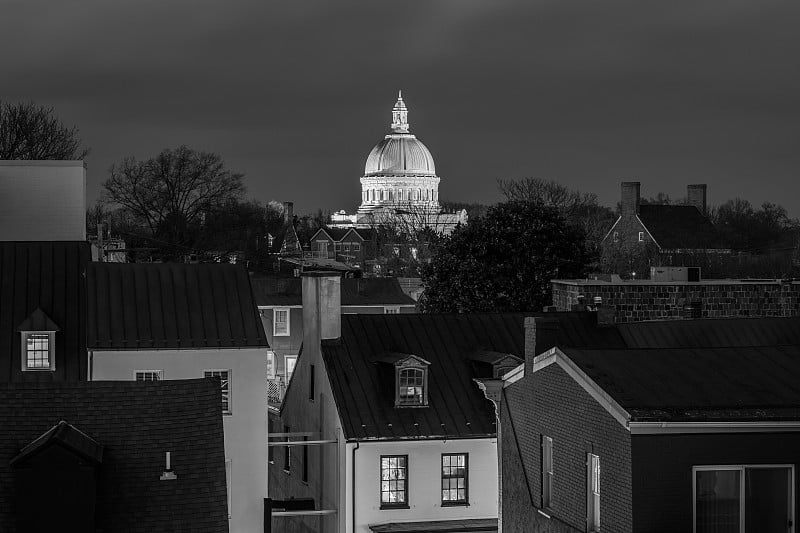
(322, 310)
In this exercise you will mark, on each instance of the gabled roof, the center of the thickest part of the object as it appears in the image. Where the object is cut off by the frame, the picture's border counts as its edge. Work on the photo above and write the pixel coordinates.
(275, 291)
(38, 321)
(171, 305)
(49, 276)
(136, 423)
(698, 384)
(67, 436)
(286, 242)
(364, 391)
(679, 226)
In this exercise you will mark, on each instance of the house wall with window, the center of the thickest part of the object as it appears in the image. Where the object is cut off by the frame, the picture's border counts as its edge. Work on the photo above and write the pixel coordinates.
(550, 403)
(663, 499)
(424, 481)
(245, 425)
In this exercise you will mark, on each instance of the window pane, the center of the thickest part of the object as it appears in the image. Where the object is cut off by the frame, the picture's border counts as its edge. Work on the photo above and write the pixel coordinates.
(393, 485)
(718, 501)
(766, 499)
(38, 350)
(454, 478)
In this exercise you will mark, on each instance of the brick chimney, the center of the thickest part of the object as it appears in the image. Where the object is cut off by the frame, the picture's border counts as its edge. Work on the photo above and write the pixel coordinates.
(322, 311)
(630, 197)
(541, 334)
(696, 196)
(288, 211)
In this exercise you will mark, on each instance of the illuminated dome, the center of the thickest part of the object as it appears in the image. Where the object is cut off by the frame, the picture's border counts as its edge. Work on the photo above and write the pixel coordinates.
(400, 154)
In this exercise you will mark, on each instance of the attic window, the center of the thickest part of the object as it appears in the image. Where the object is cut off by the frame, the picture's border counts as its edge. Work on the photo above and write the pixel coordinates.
(38, 350)
(412, 383)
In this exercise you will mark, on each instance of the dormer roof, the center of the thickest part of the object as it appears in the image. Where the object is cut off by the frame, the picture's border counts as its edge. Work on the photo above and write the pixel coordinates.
(38, 321)
(68, 437)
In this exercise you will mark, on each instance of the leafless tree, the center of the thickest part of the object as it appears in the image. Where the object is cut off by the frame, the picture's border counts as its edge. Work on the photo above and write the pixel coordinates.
(30, 131)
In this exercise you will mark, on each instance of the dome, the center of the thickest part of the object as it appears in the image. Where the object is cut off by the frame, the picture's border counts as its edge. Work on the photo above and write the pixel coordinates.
(400, 154)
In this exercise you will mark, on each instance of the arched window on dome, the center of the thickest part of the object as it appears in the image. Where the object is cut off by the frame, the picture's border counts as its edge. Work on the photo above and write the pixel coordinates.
(391, 195)
(419, 194)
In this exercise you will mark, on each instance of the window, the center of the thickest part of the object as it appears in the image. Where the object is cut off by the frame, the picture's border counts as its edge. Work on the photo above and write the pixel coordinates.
(391, 310)
(271, 370)
(287, 459)
(280, 322)
(394, 481)
(411, 386)
(149, 375)
(289, 362)
(616, 236)
(547, 471)
(356, 247)
(228, 480)
(305, 462)
(592, 492)
(455, 473)
(311, 382)
(641, 236)
(37, 350)
(225, 382)
(743, 498)
(337, 247)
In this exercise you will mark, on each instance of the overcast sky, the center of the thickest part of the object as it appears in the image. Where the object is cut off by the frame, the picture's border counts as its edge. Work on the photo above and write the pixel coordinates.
(295, 94)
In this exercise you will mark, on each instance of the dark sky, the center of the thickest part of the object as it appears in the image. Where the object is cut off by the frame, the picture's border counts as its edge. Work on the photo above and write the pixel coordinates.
(295, 94)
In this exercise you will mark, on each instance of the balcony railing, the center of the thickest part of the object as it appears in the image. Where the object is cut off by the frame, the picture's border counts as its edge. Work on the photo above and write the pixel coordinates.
(276, 388)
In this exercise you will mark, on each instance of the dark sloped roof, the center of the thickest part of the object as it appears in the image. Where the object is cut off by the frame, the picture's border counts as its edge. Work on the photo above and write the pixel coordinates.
(678, 226)
(364, 389)
(171, 305)
(274, 291)
(712, 332)
(136, 423)
(286, 242)
(67, 436)
(49, 276)
(698, 383)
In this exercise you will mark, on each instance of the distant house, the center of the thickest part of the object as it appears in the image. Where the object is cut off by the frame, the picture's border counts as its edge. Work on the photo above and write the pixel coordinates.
(651, 234)
(692, 426)
(280, 303)
(178, 321)
(93, 457)
(348, 245)
(42, 311)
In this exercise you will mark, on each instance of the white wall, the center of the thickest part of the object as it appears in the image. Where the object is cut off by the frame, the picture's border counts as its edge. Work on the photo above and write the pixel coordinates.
(42, 201)
(245, 428)
(424, 481)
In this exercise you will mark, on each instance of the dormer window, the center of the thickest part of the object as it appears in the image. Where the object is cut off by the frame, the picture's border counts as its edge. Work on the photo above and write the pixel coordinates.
(412, 382)
(38, 334)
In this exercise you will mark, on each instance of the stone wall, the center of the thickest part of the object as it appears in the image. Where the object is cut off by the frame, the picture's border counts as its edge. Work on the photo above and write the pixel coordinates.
(635, 301)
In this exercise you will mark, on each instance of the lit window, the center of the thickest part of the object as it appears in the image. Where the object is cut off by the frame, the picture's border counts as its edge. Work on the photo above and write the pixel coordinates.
(280, 322)
(225, 383)
(593, 492)
(547, 472)
(455, 478)
(411, 385)
(394, 481)
(641, 236)
(38, 350)
(149, 375)
(391, 310)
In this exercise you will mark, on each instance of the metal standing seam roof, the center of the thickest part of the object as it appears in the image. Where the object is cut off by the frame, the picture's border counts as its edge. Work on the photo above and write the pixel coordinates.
(135, 423)
(712, 332)
(678, 226)
(274, 291)
(171, 305)
(746, 382)
(364, 389)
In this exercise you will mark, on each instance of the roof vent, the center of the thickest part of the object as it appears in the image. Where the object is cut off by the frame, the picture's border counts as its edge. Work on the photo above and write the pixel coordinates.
(168, 474)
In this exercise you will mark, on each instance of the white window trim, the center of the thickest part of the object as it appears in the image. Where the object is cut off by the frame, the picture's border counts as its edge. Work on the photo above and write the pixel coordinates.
(288, 322)
(592, 506)
(159, 372)
(51, 351)
(742, 468)
(547, 471)
(272, 369)
(641, 236)
(286, 367)
(230, 386)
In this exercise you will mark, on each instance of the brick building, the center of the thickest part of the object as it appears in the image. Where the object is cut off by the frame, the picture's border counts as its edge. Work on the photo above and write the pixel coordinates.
(643, 431)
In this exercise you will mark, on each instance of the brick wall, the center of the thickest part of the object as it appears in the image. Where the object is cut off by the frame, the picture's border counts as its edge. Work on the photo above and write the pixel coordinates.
(635, 301)
(551, 403)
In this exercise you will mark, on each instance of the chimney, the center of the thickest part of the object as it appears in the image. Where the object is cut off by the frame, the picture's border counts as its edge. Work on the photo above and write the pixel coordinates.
(288, 212)
(630, 197)
(322, 312)
(541, 334)
(696, 196)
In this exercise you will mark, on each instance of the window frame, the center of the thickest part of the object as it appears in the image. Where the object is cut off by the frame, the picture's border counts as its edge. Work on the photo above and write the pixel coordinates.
(407, 366)
(592, 493)
(51, 351)
(275, 311)
(209, 372)
(393, 505)
(742, 468)
(159, 373)
(455, 503)
(288, 375)
(547, 472)
(616, 236)
(641, 236)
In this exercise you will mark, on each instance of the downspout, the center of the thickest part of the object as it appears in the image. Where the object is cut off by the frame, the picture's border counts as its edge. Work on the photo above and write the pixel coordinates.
(353, 486)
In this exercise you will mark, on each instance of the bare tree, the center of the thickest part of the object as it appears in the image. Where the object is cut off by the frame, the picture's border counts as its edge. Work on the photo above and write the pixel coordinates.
(30, 131)
(172, 193)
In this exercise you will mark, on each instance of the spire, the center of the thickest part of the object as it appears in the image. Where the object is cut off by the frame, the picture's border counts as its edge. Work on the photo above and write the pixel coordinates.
(400, 115)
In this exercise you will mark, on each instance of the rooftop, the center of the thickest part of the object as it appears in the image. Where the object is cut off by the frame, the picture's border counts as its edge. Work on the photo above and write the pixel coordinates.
(275, 291)
(678, 226)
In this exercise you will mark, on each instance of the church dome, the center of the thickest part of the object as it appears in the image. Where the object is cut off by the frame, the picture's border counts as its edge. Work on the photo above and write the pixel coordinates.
(400, 153)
